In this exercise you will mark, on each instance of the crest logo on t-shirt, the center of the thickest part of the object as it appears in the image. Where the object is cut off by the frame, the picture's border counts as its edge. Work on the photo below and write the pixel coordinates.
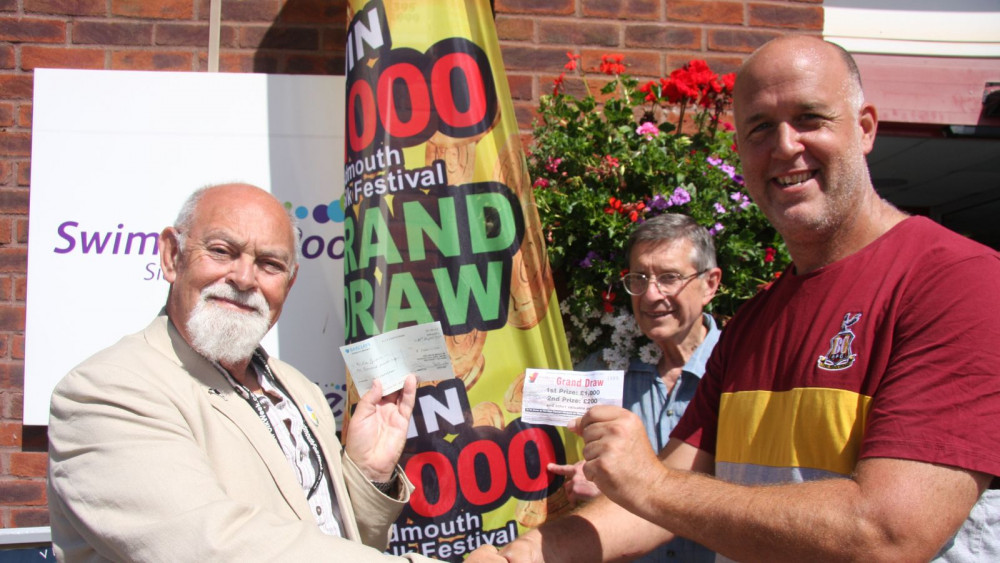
(840, 356)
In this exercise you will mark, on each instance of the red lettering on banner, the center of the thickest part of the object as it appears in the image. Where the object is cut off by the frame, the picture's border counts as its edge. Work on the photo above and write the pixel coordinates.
(516, 455)
(404, 96)
(441, 466)
(497, 476)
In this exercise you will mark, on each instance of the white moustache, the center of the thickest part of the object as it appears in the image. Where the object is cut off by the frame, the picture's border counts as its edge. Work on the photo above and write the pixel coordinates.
(252, 299)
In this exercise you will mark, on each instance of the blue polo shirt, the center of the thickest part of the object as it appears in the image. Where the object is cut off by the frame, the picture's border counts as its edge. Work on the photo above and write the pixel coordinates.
(646, 395)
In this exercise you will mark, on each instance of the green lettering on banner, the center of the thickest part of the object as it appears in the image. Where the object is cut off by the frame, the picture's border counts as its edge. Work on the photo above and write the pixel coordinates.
(403, 285)
(376, 240)
(350, 258)
(455, 297)
(359, 297)
(419, 222)
(478, 223)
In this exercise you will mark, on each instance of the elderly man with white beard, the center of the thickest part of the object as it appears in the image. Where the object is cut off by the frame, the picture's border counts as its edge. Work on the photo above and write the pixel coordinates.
(188, 442)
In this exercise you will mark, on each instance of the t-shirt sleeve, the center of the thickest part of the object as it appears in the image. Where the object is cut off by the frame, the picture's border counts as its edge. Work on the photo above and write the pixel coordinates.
(939, 400)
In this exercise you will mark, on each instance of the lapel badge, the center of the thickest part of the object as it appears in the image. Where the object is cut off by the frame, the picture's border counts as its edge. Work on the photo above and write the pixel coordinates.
(312, 415)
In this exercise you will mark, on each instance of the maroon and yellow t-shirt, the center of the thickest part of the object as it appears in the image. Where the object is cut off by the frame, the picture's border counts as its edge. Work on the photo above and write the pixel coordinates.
(891, 352)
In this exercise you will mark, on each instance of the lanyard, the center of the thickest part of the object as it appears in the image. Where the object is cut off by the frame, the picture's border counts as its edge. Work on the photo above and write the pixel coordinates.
(257, 404)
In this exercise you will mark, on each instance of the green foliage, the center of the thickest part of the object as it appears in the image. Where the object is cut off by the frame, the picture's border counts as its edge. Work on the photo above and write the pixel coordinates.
(601, 168)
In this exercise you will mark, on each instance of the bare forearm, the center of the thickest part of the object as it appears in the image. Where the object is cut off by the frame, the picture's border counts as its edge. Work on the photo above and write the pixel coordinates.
(834, 519)
(600, 531)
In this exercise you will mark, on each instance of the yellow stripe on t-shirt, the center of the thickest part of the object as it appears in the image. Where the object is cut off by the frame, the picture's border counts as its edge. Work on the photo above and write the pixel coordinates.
(818, 428)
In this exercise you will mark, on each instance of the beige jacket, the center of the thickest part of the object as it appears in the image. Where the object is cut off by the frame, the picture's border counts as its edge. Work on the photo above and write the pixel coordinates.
(154, 457)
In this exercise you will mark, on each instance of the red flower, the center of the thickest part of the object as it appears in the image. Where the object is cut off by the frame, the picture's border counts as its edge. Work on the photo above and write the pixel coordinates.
(608, 297)
(540, 183)
(571, 65)
(612, 64)
(680, 87)
(633, 216)
(769, 254)
(611, 161)
(728, 82)
(651, 91)
(557, 83)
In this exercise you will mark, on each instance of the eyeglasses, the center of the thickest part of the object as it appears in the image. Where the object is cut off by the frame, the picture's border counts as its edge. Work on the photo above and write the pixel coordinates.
(667, 284)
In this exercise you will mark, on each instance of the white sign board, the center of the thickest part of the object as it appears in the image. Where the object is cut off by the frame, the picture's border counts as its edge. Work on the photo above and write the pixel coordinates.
(114, 154)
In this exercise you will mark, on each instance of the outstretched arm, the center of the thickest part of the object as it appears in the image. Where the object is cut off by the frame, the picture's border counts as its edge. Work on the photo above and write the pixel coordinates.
(890, 509)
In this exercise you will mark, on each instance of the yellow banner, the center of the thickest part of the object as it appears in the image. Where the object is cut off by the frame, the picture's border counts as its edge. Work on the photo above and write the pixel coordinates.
(441, 226)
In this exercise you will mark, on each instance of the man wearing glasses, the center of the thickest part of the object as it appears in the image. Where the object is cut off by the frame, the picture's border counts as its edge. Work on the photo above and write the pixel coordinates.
(672, 276)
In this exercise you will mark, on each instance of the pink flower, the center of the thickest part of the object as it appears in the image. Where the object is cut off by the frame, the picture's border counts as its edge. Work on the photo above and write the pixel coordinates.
(648, 129)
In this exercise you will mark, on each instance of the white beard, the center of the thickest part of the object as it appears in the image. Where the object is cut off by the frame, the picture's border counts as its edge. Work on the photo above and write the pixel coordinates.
(224, 335)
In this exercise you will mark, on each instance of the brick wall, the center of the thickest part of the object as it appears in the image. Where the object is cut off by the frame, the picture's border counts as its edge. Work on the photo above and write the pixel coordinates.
(303, 37)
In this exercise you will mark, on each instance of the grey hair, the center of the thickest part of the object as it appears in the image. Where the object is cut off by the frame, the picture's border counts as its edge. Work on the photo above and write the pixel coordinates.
(185, 216)
(675, 226)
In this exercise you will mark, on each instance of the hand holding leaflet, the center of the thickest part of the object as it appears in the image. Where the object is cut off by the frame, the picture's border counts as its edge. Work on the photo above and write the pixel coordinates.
(390, 356)
(556, 397)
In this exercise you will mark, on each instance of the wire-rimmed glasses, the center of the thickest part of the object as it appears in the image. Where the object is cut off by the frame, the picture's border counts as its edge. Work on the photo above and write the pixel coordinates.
(668, 283)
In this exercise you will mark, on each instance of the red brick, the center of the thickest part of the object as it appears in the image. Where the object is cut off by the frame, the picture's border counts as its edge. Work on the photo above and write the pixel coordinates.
(800, 18)
(27, 30)
(11, 316)
(279, 38)
(152, 60)
(248, 62)
(66, 7)
(739, 41)
(16, 344)
(251, 10)
(22, 492)
(14, 143)
(549, 7)
(333, 41)
(6, 237)
(636, 10)
(663, 36)
(520, 86)
(8, 5)
(314, 64)
(25, 116)
(61, 57)
(191, 35)
(29, 517)
(548, 59)
(4, 348)
(515, 29)
(11, 260)
(579, 33)
(23, 179)
(6, 172)
(28, 464)
(160, 9)
(7, 59)
(112, 33)
(639, 63)
(12, 375)
(705, 12)
(6, 115)
(333, 12)
(10, 435)
(16, 87)
(525, 114)
(20, 291)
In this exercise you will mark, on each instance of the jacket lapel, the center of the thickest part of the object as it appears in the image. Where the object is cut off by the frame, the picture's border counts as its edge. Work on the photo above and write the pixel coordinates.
(163, 336)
